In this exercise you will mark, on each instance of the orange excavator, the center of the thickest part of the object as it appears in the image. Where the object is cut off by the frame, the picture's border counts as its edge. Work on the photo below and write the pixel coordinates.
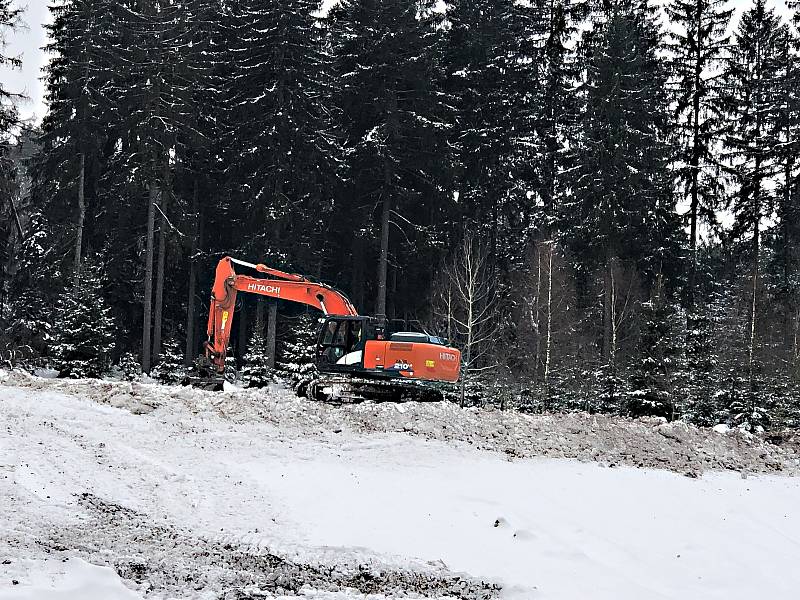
(357, 357)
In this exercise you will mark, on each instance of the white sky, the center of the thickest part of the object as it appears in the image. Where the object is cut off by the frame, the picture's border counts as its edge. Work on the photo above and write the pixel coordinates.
(29, 41)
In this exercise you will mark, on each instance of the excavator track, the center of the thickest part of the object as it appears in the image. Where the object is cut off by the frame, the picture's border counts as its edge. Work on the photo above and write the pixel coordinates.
(335, 389)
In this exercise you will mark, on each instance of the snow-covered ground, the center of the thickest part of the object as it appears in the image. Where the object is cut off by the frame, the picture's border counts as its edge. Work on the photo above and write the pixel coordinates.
(119, 491)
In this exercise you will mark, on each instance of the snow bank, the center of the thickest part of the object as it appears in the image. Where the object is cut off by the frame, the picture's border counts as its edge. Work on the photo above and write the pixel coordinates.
(610, 441)
(547, 529)
(243, 494)
(72, 579)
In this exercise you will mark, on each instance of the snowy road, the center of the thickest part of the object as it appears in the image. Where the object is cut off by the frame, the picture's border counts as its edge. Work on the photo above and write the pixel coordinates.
(185, 502)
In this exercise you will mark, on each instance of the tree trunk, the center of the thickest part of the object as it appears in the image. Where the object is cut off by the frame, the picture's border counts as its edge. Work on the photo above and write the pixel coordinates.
(549, 334)
(787, 267)
(81, 220)
(357, 279)
(796, 345)
(260, 318)
(383, 261)
(271, 332)
(191, 342)
(148, 277)
(391, 300)
(159, 307)
(536, 317)
(608, 316)
(786, 223)
(388, 205)
(754, 305)
(695, 162)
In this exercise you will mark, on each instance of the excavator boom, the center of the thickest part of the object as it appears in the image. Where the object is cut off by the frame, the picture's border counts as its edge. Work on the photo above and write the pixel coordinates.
(283, 286)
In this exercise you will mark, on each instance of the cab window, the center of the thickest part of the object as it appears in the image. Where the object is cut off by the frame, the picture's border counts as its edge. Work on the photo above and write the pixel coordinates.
(330, 329)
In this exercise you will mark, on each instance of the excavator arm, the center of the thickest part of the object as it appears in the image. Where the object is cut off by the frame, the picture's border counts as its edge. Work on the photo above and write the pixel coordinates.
(277, 284)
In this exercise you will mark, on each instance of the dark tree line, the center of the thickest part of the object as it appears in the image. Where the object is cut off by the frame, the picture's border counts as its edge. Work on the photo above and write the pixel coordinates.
(628, 188)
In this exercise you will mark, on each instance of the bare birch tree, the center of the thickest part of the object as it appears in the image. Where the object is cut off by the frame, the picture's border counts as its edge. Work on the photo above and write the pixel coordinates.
(474, 301)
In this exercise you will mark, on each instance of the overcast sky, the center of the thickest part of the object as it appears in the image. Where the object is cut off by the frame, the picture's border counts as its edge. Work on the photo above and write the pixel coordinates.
(29, 41)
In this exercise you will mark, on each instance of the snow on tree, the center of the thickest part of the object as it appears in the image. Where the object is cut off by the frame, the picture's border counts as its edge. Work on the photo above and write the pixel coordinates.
(170, 368)
(700, 404)
(256, 371)
(297, 354)
(652, 390)
(129, 367)
(83, 328)
(699, 44)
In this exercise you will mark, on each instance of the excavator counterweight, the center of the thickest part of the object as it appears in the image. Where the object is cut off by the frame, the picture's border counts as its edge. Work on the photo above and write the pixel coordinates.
(357, 357)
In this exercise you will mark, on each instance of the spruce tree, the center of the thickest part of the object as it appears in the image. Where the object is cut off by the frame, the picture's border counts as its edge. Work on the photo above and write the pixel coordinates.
(9, 120)
(10, 15)
(84, 330)
(699, 377)
(296, 357)
(169, 368)
(558, 23)
(620, 219)
(77, 77)
(256, 371)
(754, 142)
(129, 367)
(783, 268)
(391, 116)
(652, 390)
(698, 43)
(281, 135)
(491, 58)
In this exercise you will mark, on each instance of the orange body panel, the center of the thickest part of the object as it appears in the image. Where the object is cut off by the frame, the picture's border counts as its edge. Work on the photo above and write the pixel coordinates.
(414, 360)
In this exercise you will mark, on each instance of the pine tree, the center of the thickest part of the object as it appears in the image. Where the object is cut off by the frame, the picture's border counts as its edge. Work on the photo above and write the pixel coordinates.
(256, 371)
(698, 42)
(391, 115)
(85, 333)
(620, 218)
(754, 142)
(652, 390)
(169, 368)
(297, 354)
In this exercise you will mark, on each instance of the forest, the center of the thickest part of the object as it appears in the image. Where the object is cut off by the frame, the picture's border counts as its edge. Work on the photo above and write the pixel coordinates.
(597, 201)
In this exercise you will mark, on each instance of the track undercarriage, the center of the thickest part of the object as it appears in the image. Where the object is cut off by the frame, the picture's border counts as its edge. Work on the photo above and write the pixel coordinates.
(340, 389)
(337, 388)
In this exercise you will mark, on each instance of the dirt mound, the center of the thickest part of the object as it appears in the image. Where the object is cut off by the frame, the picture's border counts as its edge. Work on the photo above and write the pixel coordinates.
(165, 561)
(611, 441)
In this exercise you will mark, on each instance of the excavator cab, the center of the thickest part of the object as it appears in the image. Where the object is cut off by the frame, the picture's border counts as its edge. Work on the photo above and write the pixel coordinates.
(364, 346)
(342, 341)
